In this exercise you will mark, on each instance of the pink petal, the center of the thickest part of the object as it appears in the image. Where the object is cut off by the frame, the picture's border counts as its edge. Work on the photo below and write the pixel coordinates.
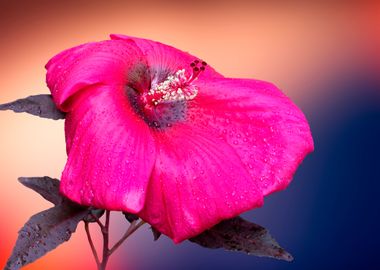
(235, 142)
(267, 131)
(243, 139)
(111, 151)
(198, 180)
(106, 62)
(163, 58)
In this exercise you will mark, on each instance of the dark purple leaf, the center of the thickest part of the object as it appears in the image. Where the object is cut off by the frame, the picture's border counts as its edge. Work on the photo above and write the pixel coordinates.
(130, 217)
(44, 232)
(238, 234)
(50, 228)
(49, 189)
(45, 186)
(39, 105)
(93, 215)
(156, 234)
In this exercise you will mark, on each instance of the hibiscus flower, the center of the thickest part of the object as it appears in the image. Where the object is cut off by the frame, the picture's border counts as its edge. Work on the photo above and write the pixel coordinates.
(154, 131)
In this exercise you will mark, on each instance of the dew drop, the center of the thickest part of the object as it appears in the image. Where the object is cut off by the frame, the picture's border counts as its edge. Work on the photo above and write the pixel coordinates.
(91, 195)
(68, 233)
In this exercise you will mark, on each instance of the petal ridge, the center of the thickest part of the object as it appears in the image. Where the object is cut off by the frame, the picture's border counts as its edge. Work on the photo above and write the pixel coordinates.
(111, 152)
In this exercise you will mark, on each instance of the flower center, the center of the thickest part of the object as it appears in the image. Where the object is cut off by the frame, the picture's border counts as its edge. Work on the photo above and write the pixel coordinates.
(165, 103)
(175, 88)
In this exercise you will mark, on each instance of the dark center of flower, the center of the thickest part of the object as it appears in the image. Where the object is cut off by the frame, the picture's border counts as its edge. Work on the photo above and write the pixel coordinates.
(164, 101)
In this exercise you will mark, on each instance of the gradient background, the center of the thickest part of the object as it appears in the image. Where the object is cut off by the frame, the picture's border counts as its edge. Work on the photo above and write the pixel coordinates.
(326, 57)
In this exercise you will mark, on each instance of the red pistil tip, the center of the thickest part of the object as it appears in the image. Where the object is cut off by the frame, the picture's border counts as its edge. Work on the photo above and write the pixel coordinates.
(197, 69)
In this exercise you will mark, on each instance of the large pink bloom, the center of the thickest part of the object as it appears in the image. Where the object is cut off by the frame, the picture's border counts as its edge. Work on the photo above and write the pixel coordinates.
(149, 131)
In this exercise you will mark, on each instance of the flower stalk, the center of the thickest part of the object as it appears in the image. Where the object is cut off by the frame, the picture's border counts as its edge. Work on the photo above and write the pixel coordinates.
(104, 228)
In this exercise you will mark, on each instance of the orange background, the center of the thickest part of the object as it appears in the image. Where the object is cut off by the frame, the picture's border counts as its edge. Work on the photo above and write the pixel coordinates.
(295, 46)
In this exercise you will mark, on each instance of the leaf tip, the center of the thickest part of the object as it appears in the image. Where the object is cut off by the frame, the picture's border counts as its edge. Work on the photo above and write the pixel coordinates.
(23, 180)
(39, 105)
(285, 256)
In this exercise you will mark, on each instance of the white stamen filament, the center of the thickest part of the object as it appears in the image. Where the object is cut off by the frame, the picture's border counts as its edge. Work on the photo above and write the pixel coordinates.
(176, 87)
